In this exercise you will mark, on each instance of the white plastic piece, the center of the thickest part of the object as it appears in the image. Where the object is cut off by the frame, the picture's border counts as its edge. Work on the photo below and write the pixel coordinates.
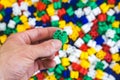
(116, 9)
(110, 33)
(112, 64)
(68, 29)
(93, 59)
(111, 12)
(62, 53)
(35, 1)
(27, 13)
(91, 43)
(91, 73)
(57, 60)
(110, 42)
(111, 77)
(118, 44)
(105, 64)
(87, 27)
(2, 26)
(77, 53)
(87, 10)
(79, 12)
(32, 21)
(114, 49)
(98, 48)
(16, 9)
(96, 11)
(50, 73)
(73, 58)
(54, 18)
(23, 6)
(90, 17)
(11, 24)
(78, 42)
(105, 77)
(70, 49)
(104, 38)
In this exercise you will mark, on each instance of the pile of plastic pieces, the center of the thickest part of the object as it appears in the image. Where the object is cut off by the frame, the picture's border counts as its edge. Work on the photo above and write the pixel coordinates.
(90, 35)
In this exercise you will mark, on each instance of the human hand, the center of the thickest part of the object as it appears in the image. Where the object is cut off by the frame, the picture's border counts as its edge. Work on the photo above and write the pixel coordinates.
(26, 52)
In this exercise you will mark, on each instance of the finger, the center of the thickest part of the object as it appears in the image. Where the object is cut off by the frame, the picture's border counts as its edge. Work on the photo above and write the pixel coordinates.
(45, 64)
(45, 49)
(34, 35)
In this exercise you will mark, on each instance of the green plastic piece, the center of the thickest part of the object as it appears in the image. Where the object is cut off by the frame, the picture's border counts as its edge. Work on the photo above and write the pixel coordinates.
(55, 23)
(116, 38)
(80, 4)
(57, 5)
(40, 13)
(79, 24)
(92, 4)
(61, 35)
(58, 76)
(59, 69)
(8, 31)
(99, 65)
(70, 11)
(2, 12)
(35, 78)
(110, 18)
(87, 78)
(46, 2)
(87, 37)
(16, 19)
(51, 69)
(68, 79)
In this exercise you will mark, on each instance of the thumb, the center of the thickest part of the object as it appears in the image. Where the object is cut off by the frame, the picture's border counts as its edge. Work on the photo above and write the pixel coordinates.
(45, 49)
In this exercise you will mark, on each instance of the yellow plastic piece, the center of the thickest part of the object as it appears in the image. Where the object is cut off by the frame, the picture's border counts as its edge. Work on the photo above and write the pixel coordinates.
(74, 35)
(84, 55)
(6, 3)
(20, 28)
(104, 7)
(85, 64)
(23, 19)
(65, 46)
(62, 24)
(91, 51)
(51, 77)
(99, 74)
(74, 74)
(31, 79)
(119, 5)
(50, 10)
(101, 54)
(3, 38)
(65, 61)
(116, 68)
(116, 24)
(65, 1)
(116, 57)
(29, 2)
(1, 17)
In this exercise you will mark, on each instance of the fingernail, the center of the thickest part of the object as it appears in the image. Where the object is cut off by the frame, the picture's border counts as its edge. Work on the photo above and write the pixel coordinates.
(56, 44)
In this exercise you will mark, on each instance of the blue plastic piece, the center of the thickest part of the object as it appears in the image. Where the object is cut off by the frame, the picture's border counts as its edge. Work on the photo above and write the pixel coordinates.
(99, 40)
(83, 19)
(71, 42)
(65, 5)
(66, 74)
(31, 9)
(38, 23)
(73, 3)
(6, 18)
(46, 25)
(117, 16)
(99, 2)
(74, 19)
(8, 11)
(66, 18)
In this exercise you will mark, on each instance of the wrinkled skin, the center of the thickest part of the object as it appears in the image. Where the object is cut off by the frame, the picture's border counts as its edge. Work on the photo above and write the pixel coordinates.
(26, 52)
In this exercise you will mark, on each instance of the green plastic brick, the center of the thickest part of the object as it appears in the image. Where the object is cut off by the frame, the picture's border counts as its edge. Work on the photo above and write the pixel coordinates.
(70, 11)
(99, 65)
(40, 13)
(55, 23)
(87, 37)
(16, 19)
(87, 78)
(80, 4)
(57, 5)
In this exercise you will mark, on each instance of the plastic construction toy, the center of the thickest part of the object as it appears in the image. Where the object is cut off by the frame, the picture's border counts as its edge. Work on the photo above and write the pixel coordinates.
(61, 35)
(89, 32)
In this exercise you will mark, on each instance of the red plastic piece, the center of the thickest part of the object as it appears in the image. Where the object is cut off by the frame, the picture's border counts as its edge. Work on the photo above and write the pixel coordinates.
(55, 0)
(102, 17)
(76, 66)
(1, 6)
(108, 57)
(111, 1)
(83, 71)
(41, 6)
(106, 48)
(45, 18)
(94, 34)
(40, 76)
(95, 21)
(84, 47)
(61, 12)
(81, 34)
(61, 78)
